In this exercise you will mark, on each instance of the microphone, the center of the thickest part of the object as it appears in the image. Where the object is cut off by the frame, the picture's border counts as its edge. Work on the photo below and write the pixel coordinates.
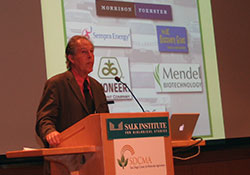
(117, 79)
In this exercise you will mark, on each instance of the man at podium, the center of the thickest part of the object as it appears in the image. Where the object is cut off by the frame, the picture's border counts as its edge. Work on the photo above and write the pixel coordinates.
(70, 96)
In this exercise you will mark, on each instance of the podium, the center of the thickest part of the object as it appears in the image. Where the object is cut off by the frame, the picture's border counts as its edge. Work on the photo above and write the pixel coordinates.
(112, 144)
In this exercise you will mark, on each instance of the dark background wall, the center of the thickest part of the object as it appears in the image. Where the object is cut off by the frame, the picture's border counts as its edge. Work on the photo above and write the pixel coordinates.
(231, 26)
(22, 72)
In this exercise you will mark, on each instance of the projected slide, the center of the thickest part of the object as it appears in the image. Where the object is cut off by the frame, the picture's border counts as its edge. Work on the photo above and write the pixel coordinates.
(154, 47)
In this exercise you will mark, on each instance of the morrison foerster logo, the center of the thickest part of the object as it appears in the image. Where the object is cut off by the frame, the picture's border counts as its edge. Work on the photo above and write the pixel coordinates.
(115, 9)
(109, 68)
(153, 11)
(133, 10)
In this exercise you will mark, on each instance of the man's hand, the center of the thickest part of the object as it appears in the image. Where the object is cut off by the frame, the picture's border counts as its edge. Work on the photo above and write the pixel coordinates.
(53, 138)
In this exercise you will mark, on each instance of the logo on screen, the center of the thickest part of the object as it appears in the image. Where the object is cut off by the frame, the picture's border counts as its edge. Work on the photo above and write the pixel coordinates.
(133, 10)
(177, 77)
(109, 67)
(172, 39)
(86, 32)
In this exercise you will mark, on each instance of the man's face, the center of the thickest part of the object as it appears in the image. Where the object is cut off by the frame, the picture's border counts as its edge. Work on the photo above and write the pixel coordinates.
(83, 58)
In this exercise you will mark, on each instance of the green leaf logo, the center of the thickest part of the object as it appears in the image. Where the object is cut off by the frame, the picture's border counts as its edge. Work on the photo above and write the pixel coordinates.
(157, 76)
(123, 162)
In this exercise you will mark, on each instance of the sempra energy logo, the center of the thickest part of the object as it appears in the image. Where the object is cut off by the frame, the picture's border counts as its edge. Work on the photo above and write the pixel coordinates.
(111, 36)
(106, 36)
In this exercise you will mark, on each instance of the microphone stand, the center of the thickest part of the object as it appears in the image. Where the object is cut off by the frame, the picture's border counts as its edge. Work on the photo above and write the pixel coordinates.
(119, 80)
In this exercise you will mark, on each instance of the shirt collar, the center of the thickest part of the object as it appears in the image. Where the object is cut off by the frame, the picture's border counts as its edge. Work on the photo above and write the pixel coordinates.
(80, 79)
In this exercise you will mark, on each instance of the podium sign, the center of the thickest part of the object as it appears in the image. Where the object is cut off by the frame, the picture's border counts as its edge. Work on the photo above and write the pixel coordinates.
(140, 156)
(139, 144)
(137, 127)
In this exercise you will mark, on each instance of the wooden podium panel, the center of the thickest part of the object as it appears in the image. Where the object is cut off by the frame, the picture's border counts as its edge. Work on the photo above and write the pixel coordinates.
(51, 151)
(92, 130)
(65, 160)
(89, 138)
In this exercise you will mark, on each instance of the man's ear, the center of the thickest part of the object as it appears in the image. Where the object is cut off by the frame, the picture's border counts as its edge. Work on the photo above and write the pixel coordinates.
(70, 58)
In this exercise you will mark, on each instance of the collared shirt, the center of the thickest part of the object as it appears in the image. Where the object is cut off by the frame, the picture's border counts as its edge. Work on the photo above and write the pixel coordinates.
(80, 81)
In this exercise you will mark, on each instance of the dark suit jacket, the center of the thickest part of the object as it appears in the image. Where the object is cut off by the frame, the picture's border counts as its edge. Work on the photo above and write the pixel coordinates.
(62, 104)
